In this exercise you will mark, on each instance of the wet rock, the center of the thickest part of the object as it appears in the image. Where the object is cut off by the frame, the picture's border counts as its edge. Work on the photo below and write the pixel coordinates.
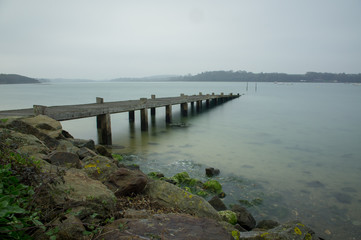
(244, 218)
(210, 172)
(125, 182)
(171, 196)
(267, 224)
(103, 151)
(166, 226)
(85, 152)
(217, 203)
(65, 159)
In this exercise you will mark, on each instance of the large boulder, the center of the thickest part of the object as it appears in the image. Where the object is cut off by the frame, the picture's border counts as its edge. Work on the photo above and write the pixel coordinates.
(166, 226)
(46, 125)
(36, 126)
(24, 143)
(81, 190)
(169, 195)
(99, 167)
(125, 182)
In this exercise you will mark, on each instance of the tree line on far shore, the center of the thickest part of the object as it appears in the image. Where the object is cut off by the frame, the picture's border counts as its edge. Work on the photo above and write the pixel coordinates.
(243, 76)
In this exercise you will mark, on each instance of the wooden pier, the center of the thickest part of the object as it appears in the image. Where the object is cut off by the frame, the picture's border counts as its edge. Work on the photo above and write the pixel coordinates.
(102, 110)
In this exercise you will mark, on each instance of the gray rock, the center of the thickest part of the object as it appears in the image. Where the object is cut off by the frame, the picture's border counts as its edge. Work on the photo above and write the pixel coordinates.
(103, 151)
(83, 143)
(125, 182)
(210, 172)
(217, 203)
(85, 152)
(65, 159)
(267, 224)
(169, 195)
(244, 218)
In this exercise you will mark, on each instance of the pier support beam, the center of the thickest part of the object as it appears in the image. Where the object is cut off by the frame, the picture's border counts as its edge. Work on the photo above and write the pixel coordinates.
(131, 116)
(103, 126)
(152, 110)
(199, 105)
(168, 113)
(184, 109)
(144, 119)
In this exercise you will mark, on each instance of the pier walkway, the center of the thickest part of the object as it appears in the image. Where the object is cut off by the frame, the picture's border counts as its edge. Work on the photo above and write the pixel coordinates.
(102, 110)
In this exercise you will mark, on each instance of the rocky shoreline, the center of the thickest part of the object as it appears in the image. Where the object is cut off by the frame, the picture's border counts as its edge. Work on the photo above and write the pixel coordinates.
(98, 197)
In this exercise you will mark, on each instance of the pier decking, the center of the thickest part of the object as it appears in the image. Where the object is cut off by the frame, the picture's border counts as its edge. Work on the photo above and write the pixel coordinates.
(102, 110)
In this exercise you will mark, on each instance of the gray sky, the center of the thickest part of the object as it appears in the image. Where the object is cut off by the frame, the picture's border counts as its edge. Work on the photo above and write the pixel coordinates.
(109, 39)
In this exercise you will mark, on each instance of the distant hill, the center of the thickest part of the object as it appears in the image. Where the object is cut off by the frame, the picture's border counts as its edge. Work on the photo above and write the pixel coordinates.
(243, 76)
(16, 79)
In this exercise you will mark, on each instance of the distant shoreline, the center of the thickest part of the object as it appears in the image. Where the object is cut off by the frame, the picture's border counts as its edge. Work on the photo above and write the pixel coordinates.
(211, 76)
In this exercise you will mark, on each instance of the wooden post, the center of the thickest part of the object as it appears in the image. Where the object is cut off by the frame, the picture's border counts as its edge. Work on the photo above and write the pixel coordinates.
(104, 126)
(184, 109)
(199, 105)
(144, 119)
(152, 110)
(168, 113)
(131, 116)
(207, 103)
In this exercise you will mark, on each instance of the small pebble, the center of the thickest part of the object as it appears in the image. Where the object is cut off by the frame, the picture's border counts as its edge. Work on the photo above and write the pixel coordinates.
(328, 232)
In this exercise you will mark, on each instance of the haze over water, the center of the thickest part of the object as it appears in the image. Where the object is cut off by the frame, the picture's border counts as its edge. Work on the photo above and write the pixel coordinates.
(295, 146)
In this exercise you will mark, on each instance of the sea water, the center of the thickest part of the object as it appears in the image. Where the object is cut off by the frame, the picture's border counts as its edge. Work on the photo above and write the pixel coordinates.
(292, 148)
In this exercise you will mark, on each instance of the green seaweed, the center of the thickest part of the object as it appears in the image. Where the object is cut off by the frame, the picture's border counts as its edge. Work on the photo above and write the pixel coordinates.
(213, 186)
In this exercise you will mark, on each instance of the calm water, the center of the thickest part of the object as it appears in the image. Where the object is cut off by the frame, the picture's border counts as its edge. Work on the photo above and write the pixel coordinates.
(295, 146)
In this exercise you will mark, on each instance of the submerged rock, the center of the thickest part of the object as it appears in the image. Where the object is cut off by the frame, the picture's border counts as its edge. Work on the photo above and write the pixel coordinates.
(210, 172)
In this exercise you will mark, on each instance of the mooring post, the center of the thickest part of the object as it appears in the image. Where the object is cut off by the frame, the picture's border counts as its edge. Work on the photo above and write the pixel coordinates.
(184, 109)
(103, 126)
(168, 113)
(144, 116)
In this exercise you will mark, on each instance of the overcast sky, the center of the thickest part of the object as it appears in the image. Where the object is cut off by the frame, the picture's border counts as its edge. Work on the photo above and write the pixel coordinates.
(135, 38)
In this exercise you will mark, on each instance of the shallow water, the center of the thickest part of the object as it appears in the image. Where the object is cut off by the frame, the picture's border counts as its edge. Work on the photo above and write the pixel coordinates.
(295, 146)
